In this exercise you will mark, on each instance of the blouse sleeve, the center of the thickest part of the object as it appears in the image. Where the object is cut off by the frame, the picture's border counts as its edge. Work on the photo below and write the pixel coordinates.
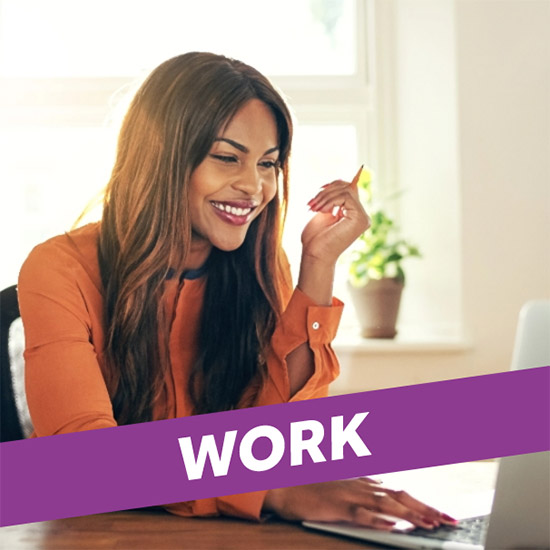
(60, 359)
(305, 322)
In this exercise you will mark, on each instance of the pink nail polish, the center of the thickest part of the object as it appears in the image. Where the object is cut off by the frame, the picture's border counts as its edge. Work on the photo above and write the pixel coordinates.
(449, 518)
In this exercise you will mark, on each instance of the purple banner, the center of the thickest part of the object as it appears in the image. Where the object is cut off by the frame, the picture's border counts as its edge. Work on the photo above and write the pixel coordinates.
(275, 446)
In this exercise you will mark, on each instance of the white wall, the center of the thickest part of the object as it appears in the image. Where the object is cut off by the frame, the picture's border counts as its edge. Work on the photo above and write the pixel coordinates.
(502, 171)
(504, 102)
(427, 157)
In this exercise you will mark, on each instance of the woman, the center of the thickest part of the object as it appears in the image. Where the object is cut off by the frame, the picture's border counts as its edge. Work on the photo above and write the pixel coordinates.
(180, 302)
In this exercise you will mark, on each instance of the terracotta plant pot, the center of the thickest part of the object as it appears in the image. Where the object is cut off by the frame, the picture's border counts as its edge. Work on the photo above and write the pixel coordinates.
(377, 306)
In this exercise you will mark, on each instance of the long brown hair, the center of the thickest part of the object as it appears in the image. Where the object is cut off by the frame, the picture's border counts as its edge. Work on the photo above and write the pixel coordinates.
(146, 232)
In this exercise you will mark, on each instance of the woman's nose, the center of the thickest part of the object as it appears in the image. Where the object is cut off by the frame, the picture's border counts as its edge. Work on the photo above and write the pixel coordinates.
(249, 181)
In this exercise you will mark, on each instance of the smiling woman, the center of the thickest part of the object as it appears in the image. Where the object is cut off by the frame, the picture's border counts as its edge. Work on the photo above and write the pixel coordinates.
(180, 300)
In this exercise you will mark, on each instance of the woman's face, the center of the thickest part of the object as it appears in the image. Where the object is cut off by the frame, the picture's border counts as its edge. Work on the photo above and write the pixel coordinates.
(234, 183)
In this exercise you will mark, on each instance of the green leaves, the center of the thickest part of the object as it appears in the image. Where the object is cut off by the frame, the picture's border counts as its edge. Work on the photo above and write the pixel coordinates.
(378, 252)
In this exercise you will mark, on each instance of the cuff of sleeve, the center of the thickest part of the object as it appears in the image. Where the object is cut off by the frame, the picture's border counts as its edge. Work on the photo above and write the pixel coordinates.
(322, 322)
(246, 505)
(193, 508)
(304, 320)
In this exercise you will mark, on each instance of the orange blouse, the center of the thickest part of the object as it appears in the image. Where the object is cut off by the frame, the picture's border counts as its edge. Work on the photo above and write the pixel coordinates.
(68, 383)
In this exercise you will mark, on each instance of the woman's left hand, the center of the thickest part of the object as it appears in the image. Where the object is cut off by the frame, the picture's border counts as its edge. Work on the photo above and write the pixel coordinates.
(340, 218)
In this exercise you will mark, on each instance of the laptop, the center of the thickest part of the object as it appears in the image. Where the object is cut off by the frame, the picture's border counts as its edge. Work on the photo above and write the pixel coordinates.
(520, 513)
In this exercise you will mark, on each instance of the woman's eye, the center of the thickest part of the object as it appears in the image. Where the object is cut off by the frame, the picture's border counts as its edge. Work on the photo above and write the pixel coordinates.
(225, 158)
(270, 164)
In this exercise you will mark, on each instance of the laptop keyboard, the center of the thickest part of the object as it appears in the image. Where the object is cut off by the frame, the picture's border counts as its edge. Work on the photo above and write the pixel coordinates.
(471, 530)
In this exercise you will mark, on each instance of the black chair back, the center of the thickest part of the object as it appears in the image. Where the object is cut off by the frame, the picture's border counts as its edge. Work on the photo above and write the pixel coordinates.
(11, 427)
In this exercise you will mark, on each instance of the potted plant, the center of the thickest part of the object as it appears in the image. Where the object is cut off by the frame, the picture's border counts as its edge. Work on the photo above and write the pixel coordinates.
(376, 277)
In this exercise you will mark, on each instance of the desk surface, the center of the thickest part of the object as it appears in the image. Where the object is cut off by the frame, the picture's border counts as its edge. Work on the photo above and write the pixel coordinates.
(154, 529)
(148, 530)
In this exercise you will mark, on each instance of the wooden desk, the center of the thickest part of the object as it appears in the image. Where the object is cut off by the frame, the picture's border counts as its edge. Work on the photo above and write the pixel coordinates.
(148, 530)
(155, 529)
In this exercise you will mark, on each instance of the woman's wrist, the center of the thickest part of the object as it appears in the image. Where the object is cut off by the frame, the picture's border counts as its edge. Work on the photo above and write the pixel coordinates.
(270, 501)
(274, 502)
(316, 279)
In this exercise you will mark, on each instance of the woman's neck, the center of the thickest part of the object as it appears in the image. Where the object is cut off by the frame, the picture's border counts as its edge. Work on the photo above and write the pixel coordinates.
(200, 250)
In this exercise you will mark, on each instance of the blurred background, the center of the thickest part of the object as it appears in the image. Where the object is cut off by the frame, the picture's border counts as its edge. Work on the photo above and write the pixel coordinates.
(447, 101)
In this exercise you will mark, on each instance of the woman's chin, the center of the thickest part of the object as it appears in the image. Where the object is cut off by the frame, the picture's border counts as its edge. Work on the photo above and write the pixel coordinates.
(228, 247)
(225, 239)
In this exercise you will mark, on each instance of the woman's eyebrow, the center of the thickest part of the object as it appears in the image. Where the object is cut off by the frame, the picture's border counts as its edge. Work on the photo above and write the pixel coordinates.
(242, 147)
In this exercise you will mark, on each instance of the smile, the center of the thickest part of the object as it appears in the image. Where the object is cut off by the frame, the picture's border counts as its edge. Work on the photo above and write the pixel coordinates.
(235, 213)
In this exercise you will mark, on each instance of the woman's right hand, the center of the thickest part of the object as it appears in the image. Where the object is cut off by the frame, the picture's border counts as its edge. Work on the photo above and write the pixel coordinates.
(362, 501)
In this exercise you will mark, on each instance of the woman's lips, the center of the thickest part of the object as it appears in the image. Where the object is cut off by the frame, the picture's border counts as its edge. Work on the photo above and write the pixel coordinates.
(234, 212)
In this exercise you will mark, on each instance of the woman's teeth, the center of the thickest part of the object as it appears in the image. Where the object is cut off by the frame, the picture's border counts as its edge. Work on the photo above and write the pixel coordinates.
(232, 209)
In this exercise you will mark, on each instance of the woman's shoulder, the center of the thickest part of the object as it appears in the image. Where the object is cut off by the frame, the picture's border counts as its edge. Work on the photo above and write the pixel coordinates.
(70, 255)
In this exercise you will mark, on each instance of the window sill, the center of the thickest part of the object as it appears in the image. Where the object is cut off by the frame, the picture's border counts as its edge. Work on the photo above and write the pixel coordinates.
(349, 342)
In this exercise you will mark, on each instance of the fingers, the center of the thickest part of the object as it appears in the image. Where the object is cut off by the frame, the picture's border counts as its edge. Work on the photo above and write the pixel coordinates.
(425, 513)
(330, 191)
(367, 518)
(370, 480)
(335, 195)
(382, 502)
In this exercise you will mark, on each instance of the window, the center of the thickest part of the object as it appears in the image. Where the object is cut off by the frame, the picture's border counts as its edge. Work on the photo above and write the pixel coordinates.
(64, 68)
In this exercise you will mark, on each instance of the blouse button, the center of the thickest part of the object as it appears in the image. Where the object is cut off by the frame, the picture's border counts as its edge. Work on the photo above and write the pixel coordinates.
(315, 325)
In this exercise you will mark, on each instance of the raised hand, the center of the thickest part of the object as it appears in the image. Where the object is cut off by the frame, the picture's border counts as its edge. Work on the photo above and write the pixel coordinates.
(339, 220)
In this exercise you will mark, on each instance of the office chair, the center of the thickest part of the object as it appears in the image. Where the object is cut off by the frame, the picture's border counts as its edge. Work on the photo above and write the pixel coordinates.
(15, 421)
